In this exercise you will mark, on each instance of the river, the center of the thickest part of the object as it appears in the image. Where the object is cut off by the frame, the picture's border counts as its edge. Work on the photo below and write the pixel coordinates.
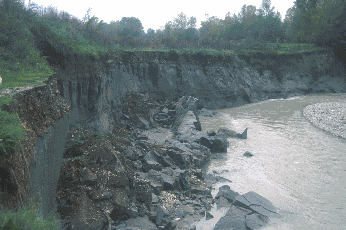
(301, 169)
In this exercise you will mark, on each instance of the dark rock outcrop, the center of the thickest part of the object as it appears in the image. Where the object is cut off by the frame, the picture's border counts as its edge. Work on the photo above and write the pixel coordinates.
(226, 192)
(248, 211)
(248, 154)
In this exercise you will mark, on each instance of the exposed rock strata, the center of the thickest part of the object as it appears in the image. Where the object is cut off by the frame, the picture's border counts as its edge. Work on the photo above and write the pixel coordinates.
(97, 102)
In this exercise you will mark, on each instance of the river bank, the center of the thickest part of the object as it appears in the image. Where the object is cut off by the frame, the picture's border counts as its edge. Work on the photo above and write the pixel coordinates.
(96, 102)
(328, 116)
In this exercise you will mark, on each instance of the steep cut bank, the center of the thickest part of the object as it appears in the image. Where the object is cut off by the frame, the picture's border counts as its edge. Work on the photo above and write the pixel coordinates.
(218, 82)
(92, 96)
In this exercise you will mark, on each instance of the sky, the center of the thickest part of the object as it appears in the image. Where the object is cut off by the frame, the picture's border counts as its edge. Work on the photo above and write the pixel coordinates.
(156, 13)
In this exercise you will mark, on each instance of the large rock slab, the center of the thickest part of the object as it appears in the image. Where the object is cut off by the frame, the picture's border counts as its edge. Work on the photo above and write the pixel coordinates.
(231, 133)
(185, 123)
(234, 219)
(248, 211)
(256, 203)
(151, 161)
(137, 223)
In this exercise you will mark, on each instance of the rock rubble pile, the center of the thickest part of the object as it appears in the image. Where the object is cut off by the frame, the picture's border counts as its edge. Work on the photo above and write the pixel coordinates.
(124, 181)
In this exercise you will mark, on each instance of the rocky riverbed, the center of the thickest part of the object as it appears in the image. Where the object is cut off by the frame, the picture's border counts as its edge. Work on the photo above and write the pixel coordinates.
(329, 116)
(150, 173)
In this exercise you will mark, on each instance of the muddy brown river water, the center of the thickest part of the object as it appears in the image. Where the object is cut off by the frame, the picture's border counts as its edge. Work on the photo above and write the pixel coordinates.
(301, 169)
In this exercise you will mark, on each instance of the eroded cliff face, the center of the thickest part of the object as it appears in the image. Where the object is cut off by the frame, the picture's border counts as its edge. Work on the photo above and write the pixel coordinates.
(37, 162)
(97, 101)
(92, 95)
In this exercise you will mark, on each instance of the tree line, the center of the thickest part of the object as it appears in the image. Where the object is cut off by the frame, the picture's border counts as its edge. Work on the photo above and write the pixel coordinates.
(320, 22)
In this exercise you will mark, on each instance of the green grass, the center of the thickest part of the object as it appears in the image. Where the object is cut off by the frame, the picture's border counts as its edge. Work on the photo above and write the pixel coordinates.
(27, 219)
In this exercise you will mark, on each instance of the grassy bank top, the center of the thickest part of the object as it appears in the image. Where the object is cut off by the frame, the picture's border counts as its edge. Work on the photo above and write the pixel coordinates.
(37, 44)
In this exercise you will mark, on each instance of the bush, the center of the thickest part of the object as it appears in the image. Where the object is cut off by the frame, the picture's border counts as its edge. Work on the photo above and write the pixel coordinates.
(10, 130)
(25, 219)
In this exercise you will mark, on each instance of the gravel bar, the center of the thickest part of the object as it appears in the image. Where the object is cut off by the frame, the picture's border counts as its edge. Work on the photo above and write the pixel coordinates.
(329, 116)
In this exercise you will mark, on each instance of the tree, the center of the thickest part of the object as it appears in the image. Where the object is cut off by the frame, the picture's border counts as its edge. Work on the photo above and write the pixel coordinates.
(248, 19)
(211, 31)
(181, 32)
(130, 28)
(231, 27)
(92, 26)
(150, 32)
(288, 21)
(268, 23)
(302, 24)
(14, 33)
(267, 9)
(305, 5)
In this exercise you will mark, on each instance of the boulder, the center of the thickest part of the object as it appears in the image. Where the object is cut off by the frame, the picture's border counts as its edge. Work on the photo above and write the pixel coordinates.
(151, 161)
(193, 202)
(171, 182)
(163, 217)
(198, 125)
(212, 133)
(199, 159)
(206, 113)
(208, 216)
(154, 179)
(219, 143)
(226, 192)
(200, 191)
(210, 178)
(177, 158)
(186, 115)
(132, 153)
(143, 192)
(155, 199)
(171, 225)
(205, 142)
(184, 123)
(137, 223)
(140, 122)
(248, 154)
(231, 133)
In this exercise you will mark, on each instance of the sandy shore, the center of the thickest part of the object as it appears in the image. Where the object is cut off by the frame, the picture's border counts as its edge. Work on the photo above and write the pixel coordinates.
(329, 116)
